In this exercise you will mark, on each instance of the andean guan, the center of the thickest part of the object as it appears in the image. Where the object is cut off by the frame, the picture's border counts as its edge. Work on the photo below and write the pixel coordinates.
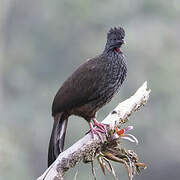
(89, 88)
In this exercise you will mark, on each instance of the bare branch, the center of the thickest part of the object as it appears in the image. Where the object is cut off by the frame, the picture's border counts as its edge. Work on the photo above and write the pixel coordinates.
(85, 148)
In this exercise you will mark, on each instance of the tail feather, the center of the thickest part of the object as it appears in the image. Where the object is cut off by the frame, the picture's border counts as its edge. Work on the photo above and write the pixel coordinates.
(56, 144)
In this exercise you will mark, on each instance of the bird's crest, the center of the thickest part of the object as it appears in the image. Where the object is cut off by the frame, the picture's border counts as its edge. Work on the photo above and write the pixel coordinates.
(117, 31)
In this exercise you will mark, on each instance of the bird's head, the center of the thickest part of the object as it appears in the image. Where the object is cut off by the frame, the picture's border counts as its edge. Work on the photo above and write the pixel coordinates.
(115, 38)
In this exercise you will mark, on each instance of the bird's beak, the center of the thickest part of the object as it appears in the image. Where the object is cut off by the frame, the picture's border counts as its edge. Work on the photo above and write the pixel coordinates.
(123, 41)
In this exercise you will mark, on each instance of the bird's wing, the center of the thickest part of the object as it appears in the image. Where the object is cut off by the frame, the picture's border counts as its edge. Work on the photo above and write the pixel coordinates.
(78, 88)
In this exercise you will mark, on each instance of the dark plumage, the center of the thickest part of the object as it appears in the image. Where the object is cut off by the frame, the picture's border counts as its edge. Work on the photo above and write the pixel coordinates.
(89, 88)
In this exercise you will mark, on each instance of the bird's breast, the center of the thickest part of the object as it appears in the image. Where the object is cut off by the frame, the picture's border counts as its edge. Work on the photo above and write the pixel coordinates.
(113, 76)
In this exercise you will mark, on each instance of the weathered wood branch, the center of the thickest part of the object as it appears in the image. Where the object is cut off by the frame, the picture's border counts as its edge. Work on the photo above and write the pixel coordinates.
(85, 148)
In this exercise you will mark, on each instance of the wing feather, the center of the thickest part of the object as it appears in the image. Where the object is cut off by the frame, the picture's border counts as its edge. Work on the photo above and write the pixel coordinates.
(77, 89)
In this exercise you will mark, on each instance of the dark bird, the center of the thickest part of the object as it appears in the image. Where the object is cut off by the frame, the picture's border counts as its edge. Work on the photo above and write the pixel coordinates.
(89, 88)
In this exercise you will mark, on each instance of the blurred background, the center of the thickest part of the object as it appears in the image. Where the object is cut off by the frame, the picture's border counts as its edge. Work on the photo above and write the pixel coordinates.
(42, 43)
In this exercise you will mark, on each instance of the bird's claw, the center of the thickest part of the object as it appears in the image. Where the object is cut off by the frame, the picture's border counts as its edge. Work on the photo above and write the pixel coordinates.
(97, 132)
(101, 126)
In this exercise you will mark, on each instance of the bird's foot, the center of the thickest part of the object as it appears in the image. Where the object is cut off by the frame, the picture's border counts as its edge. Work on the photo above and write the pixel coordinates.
(96, 131)
(101, 126)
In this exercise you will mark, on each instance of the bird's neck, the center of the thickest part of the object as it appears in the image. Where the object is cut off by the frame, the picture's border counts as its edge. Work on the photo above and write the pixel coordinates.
(112, 52)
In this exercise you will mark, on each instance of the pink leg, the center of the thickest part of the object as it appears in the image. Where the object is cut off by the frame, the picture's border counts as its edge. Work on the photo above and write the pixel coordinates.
(100, 126)
(95, 131)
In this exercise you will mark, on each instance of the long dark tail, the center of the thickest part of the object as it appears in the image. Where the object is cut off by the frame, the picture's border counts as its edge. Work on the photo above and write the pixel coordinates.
(56, 143)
